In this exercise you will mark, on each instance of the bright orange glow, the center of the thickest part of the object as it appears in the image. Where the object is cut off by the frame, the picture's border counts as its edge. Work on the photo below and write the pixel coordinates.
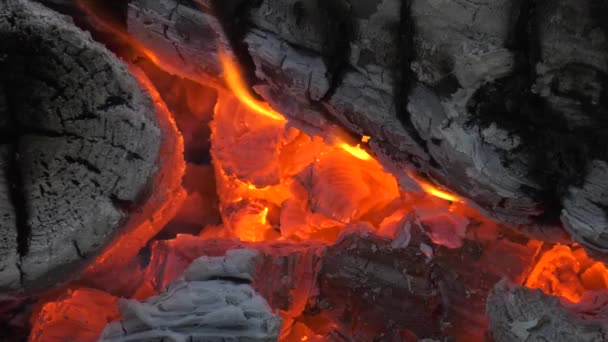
(567, 272)
(235, 82)
(264, 216)
(79, 315)
(356, 151)
(365, 139)
(433, 190)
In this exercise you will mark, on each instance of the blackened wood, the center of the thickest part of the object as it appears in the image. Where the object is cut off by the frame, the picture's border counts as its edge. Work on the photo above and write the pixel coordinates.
(83, 148)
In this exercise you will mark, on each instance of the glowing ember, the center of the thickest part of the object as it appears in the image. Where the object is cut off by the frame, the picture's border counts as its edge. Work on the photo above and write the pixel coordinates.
(567, 272)
(78, 316)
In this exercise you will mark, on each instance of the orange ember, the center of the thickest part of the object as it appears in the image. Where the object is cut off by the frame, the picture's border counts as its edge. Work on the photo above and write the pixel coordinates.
(568, 272)
(80, 316)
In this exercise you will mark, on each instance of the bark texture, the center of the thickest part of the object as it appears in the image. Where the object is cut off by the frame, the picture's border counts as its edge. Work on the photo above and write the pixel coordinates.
(79, 146)
(502, 102)
(517, 313)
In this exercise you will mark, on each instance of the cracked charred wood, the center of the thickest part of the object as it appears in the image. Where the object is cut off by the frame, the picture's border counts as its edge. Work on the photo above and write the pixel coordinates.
(79, 147)
(212, 301)
(376, 286)
(501, 102)
(517, 313)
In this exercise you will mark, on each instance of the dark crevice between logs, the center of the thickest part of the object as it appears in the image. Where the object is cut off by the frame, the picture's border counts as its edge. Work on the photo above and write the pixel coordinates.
(559, 153)
(510, 103)
(406, 79)
(337, 58)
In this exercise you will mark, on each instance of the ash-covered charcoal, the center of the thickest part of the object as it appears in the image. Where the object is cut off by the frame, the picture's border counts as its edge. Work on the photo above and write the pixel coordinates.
(518, 313)
(79, 146)
(213, 301)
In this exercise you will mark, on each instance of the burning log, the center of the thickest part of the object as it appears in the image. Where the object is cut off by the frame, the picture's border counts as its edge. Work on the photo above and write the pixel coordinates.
(80, 147)
(517, 313)
(485, 99)
(213, 300)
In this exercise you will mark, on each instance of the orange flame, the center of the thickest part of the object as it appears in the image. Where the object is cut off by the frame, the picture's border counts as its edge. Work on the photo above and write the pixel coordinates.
(433, 190)
(355, 151)
(239, 88)
(90, 9)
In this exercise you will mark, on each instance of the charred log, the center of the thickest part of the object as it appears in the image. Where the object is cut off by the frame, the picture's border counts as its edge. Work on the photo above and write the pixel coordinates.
(81, 148)
(501, 103)
(517, 313)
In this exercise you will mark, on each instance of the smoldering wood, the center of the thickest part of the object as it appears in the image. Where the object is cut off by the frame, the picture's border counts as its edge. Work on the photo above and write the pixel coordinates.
(213, 300)
(82, 148)
(517, 313)
(499, 102)
(410, 283)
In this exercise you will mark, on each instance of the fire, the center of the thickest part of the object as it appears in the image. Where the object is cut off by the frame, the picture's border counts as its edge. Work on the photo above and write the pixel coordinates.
(92, 10)
(355, 151)
(235, 82)
(568, 272)
(433, 190)
(277, 183)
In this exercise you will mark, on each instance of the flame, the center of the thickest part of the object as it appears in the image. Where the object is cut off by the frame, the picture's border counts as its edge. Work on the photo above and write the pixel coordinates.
(433, 190)
(235, 82)
(568, 273)
(90, 9)
(355, 151)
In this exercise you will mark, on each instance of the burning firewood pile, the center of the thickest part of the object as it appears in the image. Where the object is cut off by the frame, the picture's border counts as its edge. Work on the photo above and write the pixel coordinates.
(299, 170)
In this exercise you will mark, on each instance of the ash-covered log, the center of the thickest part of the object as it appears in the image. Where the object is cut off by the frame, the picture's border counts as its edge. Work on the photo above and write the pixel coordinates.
(80, 143)
(501, 102)
(212, 301)
(517, 313)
